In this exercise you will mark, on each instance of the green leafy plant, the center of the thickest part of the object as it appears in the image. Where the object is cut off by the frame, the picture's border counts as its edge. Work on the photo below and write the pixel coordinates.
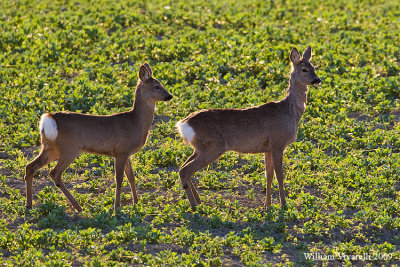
(343, 170)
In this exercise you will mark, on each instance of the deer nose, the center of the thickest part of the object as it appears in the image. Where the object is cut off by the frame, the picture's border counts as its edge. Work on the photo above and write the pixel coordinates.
(316, 81)
(168, 98)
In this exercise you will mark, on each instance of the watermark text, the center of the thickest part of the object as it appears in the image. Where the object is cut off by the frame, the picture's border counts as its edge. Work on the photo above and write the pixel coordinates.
(355, 257)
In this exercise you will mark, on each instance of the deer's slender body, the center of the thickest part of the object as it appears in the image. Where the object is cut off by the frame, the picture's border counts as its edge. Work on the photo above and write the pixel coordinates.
(267, 128)
(65, 135)
(230, 127)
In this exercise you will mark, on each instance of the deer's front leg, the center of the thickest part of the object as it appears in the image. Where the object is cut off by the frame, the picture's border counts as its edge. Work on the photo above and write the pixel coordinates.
(131, 179)
(277, 157)
(119, 175)
(269, 173)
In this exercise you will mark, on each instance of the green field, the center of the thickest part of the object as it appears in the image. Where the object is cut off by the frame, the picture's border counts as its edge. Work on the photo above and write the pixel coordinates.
(342, 173)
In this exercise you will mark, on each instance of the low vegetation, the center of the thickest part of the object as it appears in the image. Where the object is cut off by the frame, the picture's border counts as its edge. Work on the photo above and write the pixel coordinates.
(342, 173)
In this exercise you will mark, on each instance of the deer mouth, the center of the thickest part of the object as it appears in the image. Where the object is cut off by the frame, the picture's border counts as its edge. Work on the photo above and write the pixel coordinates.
(316, 82)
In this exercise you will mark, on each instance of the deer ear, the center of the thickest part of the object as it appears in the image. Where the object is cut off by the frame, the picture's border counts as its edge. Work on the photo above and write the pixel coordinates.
(144, 73)
(148, 68)
(307, 54)
(295, 56)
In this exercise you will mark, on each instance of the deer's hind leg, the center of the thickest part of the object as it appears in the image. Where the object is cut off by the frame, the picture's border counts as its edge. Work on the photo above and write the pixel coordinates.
(194, 191)
(63, 162)
(189, 159)
(203, 159)
(46, 156)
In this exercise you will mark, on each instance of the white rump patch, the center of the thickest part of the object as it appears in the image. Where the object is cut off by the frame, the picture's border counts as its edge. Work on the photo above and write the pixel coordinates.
(185, 130)
(48, 126)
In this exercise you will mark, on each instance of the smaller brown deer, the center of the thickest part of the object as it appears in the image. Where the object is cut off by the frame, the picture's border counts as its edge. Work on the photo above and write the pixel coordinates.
(65, 135)
(268, 129)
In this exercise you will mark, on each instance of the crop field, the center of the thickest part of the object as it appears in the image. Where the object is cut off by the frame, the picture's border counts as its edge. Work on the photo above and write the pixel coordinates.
(342, 173)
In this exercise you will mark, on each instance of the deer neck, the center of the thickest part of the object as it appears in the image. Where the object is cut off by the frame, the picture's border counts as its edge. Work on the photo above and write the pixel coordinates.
(296, 98)
(143, 112)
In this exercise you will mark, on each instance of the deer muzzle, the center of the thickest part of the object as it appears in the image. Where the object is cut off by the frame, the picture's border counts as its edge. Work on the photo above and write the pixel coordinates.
(169, 97)
(316, 81)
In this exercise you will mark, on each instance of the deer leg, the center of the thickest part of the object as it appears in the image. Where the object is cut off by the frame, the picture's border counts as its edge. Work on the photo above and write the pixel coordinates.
(63, 162)
(189, 159)
(119, 175)
(185, 174)
(269, 173)
(277, 157)
(189, 169)
(131, 179)
(194, 191)
(46, 156)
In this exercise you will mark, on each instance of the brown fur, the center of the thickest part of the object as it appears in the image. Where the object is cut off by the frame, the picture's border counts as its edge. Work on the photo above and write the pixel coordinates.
(268, 129)
(119, 135)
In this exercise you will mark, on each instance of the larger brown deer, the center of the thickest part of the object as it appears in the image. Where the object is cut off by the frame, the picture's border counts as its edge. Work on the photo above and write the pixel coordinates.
(268, 129)
(65, 135)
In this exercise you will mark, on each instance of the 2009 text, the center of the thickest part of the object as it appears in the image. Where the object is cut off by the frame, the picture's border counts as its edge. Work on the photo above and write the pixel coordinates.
(351, 257)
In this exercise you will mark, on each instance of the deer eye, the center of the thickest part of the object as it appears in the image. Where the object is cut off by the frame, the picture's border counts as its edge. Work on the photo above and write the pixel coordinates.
(157, 87)
(304, 70)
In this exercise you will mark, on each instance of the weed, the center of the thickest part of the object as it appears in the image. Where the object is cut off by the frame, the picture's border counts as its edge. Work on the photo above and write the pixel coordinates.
(343, 170)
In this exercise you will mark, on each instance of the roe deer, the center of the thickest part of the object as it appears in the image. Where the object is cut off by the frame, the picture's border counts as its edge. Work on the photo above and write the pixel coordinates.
(268, 129)
(64, 135)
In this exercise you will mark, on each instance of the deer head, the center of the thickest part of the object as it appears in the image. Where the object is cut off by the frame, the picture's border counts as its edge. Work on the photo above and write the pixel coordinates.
(303, 72)
(150, 88)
